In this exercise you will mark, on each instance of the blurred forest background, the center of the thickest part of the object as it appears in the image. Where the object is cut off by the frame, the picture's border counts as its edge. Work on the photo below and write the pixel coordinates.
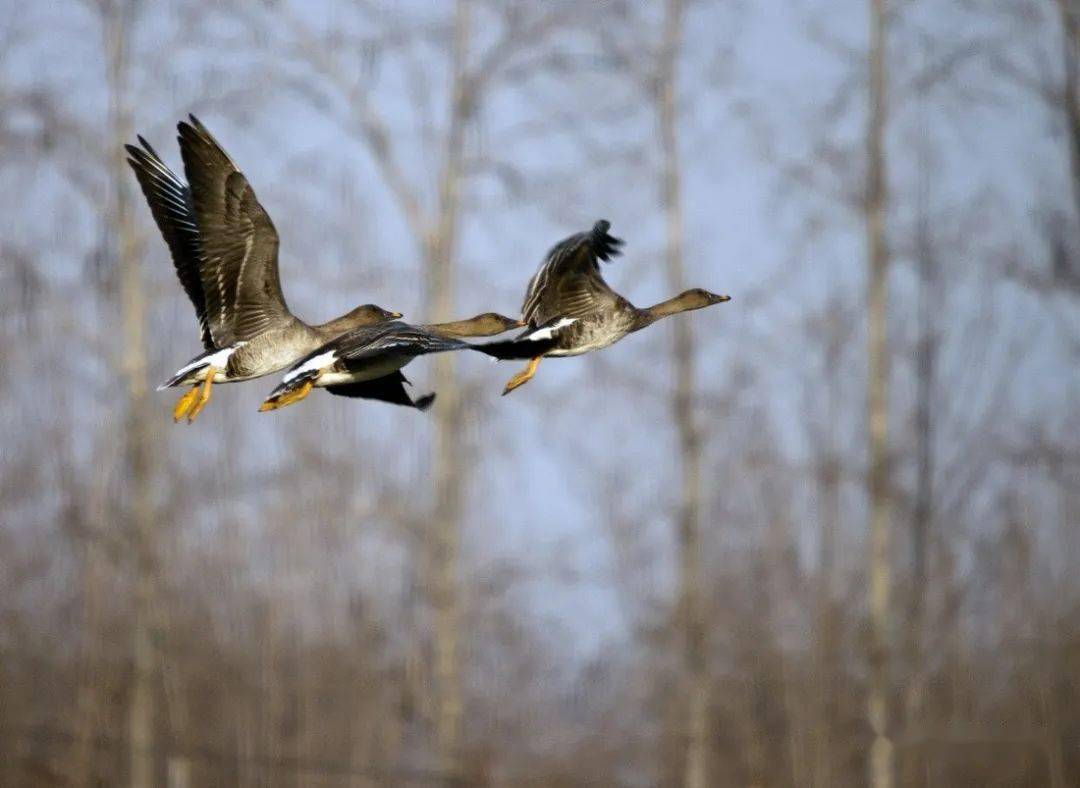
(824, 535)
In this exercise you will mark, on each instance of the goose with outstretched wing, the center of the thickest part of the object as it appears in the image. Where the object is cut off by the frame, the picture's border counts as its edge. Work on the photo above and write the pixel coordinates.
(367, 361)
(225, 250)
(570, 309)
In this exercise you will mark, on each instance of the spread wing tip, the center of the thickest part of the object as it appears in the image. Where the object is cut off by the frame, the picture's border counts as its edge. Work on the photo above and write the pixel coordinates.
(605, 245)
(146, 146)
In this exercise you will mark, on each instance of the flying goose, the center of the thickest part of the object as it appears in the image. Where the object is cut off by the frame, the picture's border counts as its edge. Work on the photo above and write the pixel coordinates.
(569, 308)
(225, 251)
(367, 361)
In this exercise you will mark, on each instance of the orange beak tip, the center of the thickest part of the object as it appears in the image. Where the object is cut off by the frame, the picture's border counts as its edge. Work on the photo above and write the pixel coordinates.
(268, 405)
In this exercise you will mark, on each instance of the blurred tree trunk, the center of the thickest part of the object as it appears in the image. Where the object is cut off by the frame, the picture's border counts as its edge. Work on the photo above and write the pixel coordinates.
(1070, 23)
(89, 513)
(881, 755)
(1049, 666)
(829, 512)
(88, 713)
(118, 19)
(447, 470)
(695, 681)
(922, 515)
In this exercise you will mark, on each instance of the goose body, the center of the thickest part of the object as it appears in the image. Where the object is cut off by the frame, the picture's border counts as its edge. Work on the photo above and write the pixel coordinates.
(367, 361)
(271, 351)
(224, 247)
(576, 336)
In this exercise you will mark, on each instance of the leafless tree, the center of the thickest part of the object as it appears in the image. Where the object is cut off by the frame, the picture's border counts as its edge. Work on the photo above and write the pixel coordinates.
(117, 19)
(322, 609)
(881, 757)
(695, 680)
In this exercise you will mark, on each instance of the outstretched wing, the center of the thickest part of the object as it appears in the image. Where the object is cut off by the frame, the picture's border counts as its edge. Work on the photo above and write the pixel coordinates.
(358, 347)
(173, 211)
(363, 347)
(239, 270)
(568, 282)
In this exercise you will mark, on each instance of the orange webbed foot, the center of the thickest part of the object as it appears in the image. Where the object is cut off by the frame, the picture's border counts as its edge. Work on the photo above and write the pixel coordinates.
(289, 397)
(523, 377)
(185, 403)
(204, 395)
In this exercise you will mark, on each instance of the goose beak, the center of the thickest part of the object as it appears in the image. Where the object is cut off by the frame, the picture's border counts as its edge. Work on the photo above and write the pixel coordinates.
(521, 324)
(396, 315)
(719, 299)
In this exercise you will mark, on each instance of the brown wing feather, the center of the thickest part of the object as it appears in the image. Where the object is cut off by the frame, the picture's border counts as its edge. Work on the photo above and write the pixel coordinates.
(170, 203)
(569, 282)
(239, 272)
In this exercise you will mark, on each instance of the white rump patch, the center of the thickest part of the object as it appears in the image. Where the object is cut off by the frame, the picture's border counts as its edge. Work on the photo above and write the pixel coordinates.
(218, 359)
(549, 331)
(313, 363)
(221, 358)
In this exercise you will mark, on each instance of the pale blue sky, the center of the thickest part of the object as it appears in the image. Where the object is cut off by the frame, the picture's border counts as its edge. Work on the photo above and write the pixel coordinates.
(753, 83)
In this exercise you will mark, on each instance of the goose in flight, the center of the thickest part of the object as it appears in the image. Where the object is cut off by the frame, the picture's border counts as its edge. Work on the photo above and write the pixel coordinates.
(569, 308)
(366, 362)
(225, 251)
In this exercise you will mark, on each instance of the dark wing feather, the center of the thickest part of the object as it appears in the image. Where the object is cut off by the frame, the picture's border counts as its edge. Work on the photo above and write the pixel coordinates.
(362, 345)
(355, 349)
(511, 349)
(568, 282)
(239, 273)
(173, 211)
(389, 388)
